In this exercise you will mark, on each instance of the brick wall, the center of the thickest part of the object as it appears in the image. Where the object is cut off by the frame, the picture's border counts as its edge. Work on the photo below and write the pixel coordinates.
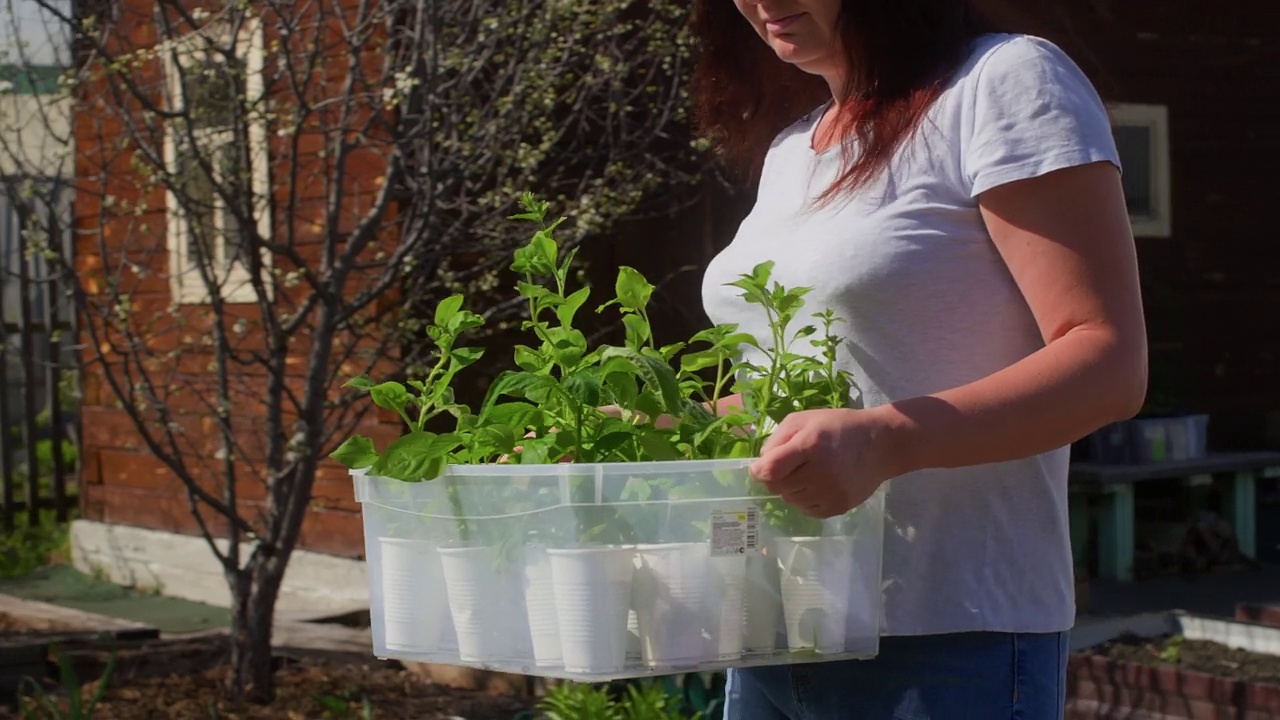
(118, 218)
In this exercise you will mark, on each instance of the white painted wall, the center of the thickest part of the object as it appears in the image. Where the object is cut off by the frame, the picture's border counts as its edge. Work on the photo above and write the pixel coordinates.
(184, 567)
(35, 136)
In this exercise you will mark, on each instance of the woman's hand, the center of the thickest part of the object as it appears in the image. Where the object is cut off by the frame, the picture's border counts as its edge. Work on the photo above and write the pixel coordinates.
(827, 462)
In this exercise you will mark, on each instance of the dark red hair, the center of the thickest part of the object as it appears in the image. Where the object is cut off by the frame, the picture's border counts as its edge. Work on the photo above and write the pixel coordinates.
(901, 53)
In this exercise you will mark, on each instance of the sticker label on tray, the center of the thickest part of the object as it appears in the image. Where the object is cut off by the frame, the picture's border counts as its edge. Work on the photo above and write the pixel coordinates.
(735, 532)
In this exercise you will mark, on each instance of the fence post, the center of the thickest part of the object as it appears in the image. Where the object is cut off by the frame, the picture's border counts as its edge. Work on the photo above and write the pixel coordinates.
(30, 408)
(6, 452)
(34, 280)
(53, 330)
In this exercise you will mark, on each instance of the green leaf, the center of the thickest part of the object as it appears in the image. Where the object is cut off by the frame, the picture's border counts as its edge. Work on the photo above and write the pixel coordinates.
(571, 305)
(333, 704)
(464, 321)
(698, 361)
(529, 360)
(447, 309)
(356, 453)
(696, 412)
(754, 285)
(751, 292)
(788, 305)
(535, 292)
(565, 270)
(668, 352)
(688, 491)
(655, 373)
(610, 442)
(416, 457)
(761, 273)
(649, 404)
(623, 386)
(494, 440)
(518, 384)
(637, 490)
(585, 388)
(360, 383)
(530, 260)
(465, 357)
(70, 684)
(546, 248)
(735, 341)
(633, 290)
(516, 415)
(535, 451)
(638, 331)
(658, 447)
(567, 346)
(391, 396)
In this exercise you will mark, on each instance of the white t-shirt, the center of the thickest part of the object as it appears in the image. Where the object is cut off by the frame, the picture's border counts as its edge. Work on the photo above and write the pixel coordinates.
(928, 305)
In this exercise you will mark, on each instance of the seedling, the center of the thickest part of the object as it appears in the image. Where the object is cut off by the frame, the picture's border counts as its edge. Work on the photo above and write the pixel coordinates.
(551, 406)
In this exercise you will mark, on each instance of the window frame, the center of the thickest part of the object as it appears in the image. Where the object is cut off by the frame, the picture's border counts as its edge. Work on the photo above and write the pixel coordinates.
(186, 285)
(1155, 119)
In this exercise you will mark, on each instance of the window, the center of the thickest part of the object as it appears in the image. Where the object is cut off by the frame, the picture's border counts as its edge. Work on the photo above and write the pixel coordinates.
(1142, 137)
(211, 79)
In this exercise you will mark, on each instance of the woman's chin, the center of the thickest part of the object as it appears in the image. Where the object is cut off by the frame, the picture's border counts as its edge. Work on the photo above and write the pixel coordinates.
(798, 55)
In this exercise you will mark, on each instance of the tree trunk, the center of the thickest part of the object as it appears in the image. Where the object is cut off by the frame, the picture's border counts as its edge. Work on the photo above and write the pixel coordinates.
(253, 603)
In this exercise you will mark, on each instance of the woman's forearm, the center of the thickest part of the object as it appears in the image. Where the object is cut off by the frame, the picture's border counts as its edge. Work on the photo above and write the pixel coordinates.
(723, 406)
(726, 405)
(1079, 382)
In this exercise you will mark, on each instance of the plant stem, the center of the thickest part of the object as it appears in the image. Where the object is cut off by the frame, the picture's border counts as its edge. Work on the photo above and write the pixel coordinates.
(426, 406)
(775, 369)
(715, 403)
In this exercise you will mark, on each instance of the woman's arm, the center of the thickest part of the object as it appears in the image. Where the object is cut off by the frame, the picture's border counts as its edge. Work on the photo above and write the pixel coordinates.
(1067, 242)
(725, 406)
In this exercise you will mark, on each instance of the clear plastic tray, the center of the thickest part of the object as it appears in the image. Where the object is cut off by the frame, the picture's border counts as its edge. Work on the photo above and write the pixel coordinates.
(610, 571)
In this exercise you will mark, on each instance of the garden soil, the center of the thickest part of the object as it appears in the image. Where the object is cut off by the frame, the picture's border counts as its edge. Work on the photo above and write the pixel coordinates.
(1197, 655)
(184, 681)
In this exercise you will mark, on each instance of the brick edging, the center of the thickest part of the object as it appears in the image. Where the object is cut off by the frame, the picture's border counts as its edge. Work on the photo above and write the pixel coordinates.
(1106, 685)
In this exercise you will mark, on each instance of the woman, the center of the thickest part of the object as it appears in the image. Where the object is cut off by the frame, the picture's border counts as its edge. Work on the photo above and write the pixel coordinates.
(955, 196)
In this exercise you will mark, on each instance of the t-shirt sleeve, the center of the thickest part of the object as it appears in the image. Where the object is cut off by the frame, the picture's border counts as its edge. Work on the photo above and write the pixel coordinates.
(1032, 111)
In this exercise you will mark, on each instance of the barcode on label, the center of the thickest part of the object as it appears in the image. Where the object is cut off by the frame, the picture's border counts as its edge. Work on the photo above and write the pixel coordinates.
(735, 532)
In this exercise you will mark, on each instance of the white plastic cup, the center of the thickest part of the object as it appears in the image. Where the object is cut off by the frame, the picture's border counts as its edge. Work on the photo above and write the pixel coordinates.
(635, 658)
(862, 624)
(816, 573)
(540, 602)
(689, 605)
(762, 604)
(487, 604)
(415, 607)
(673, 597)
(728, 611)
(593, 597)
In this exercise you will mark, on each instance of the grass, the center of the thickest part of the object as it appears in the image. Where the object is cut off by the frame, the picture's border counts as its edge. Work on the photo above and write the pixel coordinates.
(32, 546)
(28, 546)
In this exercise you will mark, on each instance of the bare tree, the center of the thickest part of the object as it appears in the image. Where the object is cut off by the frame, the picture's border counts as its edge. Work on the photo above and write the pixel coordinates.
(266, 191)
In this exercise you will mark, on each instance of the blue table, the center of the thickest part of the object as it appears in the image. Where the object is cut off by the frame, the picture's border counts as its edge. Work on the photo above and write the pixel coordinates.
(1236, 471)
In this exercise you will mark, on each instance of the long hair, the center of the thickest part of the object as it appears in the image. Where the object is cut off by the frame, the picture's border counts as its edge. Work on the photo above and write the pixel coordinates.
(901, 54)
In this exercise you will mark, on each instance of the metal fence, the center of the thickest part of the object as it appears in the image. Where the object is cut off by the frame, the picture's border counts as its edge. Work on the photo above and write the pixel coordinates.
(39, 371)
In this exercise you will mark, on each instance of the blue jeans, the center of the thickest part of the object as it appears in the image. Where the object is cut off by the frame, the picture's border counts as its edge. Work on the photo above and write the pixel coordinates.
(965, 676)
